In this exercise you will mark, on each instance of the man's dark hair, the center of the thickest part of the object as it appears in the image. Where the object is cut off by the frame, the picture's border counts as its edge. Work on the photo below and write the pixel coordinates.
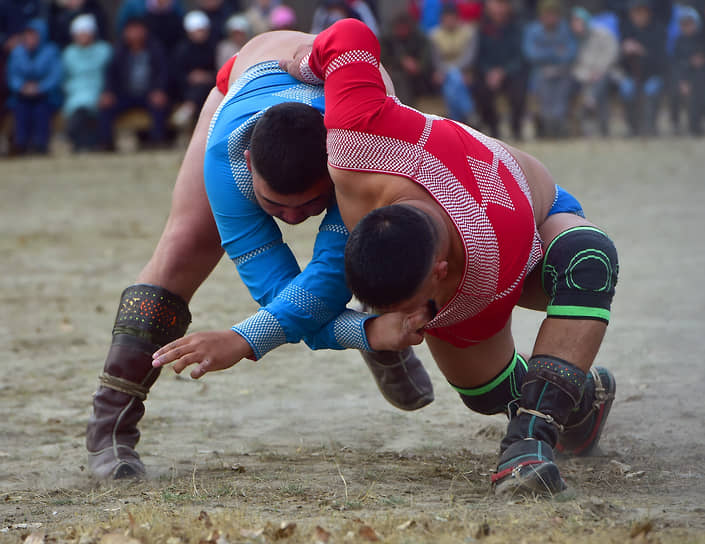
(288, 147)
(389, 254)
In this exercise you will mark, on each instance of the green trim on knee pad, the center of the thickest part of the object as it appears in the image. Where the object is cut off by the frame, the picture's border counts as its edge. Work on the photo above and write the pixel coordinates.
(496, 395)
(579, 275)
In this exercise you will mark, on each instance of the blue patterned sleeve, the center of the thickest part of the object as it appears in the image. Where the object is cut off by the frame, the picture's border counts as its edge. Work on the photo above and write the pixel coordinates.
(296, 305)
(311, 307)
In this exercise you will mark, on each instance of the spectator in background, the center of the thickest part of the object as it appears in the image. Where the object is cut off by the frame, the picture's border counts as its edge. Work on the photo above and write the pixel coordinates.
(329, 12)
(237, 31)
(499, 68)
(193, 67)
(643, 63)
(137, 77)
(164, 20)
(689, 69)
(365, 14)
(34, 80)
(428, 13)
(84, 63)
(258, 15)
(137, 9)
(550, 48)
(63, 12)
(454, 49)
(217, 11)
(282, 18)
(598, 52)
(406, 54)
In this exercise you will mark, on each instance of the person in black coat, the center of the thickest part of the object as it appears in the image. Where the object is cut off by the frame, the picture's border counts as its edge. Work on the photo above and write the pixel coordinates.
(500, 68)
(63, 12)
(218, 12)
(137, 77)
(193, 67)
(689, 69)
(164, 20)
(643, 62)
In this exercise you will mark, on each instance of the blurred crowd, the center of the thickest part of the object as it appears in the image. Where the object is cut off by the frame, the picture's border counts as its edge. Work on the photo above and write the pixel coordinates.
(563, 64)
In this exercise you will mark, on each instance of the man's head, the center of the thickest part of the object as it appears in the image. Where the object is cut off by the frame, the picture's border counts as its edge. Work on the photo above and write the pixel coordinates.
(449, 17)
(550, 13)
(197, 26)
(135, 34)
(580, 21)
(640, 13)
(238, 29)
(688, 20)
(83, 29)
(392, 260)
(289, 162)
(498, 11)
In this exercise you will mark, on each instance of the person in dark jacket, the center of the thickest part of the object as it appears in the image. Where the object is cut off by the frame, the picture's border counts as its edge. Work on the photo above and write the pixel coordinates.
(500, 67)
(406, 54)
(137, 77)
(63, 12)
(689, 69)
(193, 67)
(643, 64)
(34, 79)
(218, 12)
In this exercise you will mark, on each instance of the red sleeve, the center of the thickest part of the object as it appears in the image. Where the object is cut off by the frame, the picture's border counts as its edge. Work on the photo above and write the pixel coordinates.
(346, 57)
(224, 75)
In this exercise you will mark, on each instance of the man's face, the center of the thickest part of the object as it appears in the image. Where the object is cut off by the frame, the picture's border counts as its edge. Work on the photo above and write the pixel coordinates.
(31, 39)
(135, 35)
(498, 11)
(296, 208)
(688, 27)
(640, 16)
(550, 18)
(578, 26)
(450, 21)
(83, 39)
(199, 36)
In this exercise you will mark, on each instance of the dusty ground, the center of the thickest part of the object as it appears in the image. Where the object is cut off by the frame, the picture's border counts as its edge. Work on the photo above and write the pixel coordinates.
(305, 437)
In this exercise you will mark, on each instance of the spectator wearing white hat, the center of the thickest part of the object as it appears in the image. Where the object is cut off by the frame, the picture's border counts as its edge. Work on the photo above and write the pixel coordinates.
(84, 62)
(193, 67)
(237, 32)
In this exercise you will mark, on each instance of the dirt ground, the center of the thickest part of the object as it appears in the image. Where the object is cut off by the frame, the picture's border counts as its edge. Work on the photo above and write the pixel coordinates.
(304, 437)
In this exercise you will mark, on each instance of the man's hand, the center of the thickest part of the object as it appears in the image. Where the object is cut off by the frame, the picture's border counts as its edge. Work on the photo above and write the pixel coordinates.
(211, 351)
(494, 78)
(293, 66)
(396, 331)
(410, 65)
(31, 88)
(107, 100)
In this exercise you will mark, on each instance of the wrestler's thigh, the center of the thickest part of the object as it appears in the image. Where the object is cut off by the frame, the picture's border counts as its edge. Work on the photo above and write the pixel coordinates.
(475, 365)
(533, 295)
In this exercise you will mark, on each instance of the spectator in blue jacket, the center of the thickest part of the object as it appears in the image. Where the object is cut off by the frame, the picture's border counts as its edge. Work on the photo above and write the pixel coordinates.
(137, 77)
(34, 79)
(84, 63)
(500, 68)
(550, 47)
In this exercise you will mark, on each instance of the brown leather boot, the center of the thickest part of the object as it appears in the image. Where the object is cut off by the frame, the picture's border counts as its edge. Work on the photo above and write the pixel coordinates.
(401, 378)
(148, 318)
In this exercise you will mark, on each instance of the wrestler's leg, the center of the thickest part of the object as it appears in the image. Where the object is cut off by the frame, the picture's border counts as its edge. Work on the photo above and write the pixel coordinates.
(154, 312)
(559, 401)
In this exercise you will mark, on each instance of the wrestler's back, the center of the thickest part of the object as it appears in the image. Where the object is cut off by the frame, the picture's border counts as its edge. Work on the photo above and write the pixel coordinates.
(269, 46)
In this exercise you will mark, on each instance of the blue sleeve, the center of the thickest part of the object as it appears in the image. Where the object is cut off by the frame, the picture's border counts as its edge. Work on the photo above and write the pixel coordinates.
(53, 72)
(531, 49)
(296, 305)
(15, 76)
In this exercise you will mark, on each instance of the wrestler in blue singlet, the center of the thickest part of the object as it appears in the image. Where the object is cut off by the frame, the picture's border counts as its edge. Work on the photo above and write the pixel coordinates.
(296, 305)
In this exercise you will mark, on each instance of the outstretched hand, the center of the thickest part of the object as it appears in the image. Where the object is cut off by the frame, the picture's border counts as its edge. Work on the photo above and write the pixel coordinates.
(293, 66)
(211, 351)
(396, 331)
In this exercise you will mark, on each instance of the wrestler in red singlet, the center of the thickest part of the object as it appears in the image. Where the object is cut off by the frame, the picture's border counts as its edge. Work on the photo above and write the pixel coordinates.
(473, 177)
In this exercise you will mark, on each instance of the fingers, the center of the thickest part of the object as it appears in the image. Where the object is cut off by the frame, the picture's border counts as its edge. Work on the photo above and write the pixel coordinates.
(170, 353)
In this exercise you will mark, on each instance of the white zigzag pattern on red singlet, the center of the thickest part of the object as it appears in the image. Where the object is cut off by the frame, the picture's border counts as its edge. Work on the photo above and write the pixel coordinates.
(361, 151)
(356, 55)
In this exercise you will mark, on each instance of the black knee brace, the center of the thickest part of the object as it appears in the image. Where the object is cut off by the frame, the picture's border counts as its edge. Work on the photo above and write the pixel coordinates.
(580, 274)
(498, 394)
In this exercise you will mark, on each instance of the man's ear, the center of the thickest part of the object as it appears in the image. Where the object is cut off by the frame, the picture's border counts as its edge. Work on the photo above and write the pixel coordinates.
(440, 270)
(248, 160)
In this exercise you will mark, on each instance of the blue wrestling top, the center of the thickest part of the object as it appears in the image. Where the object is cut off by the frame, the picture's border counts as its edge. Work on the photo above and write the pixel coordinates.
(296, 305)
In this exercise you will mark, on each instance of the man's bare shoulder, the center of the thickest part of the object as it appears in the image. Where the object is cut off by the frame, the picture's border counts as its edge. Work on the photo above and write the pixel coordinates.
(275, 45)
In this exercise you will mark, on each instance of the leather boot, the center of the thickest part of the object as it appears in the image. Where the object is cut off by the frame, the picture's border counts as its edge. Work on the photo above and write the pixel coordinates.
(148, 317)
